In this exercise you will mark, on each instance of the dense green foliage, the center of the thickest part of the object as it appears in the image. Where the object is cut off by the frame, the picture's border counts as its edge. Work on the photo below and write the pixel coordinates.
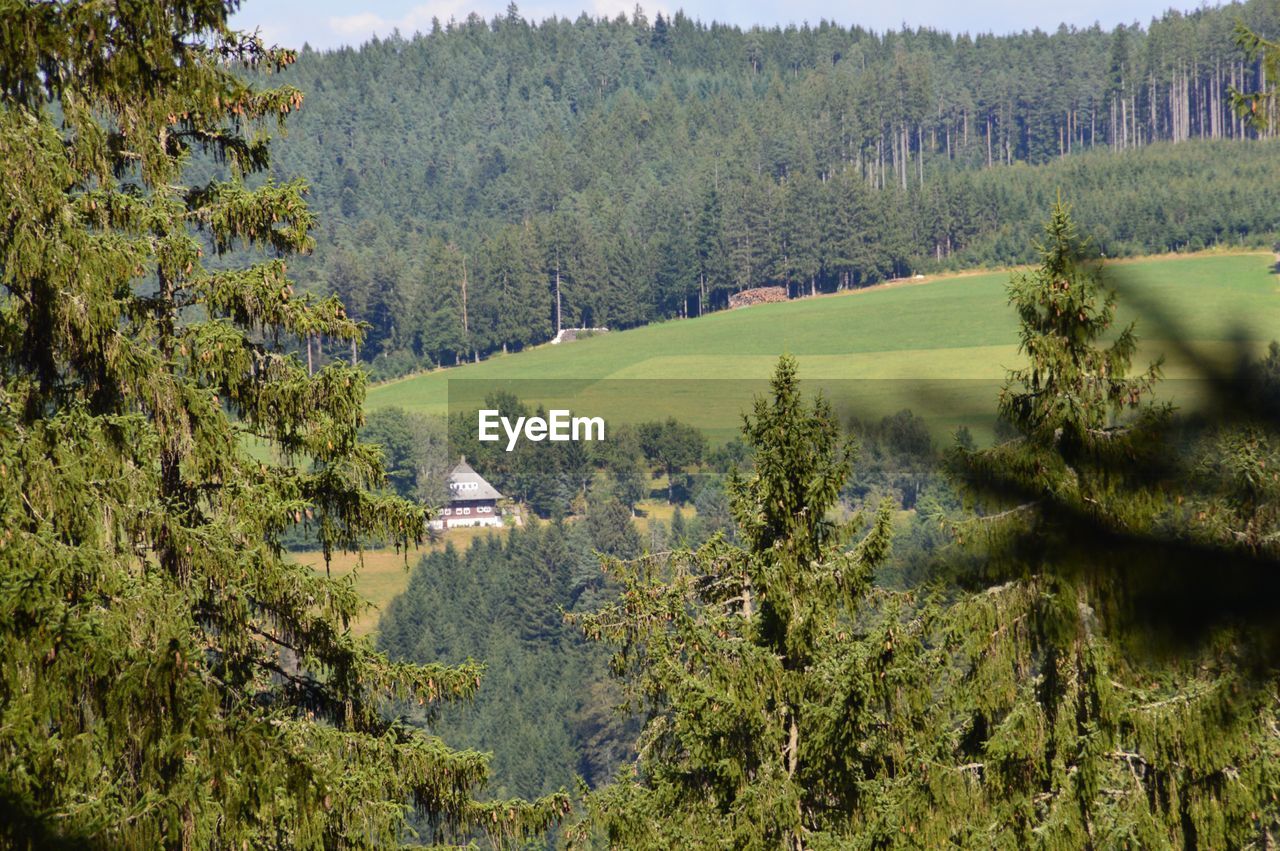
(1042, 708)
(489, 182)
(741, 657)
(1092, 666)
(1099, 546)
(167, 678)
(416, 454)
(547, 708)
(673, 446)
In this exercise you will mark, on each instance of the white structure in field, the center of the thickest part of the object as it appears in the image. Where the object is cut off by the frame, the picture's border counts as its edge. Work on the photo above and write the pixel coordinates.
(472, 501)
(568, 335)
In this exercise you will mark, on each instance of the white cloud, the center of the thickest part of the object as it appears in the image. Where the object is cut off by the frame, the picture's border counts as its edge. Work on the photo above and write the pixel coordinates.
(358, 25)
(416, 19)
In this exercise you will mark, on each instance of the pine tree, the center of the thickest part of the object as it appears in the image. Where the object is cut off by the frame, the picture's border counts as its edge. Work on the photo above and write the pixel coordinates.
(679, 534)
(1073, 734)
(167, 677)
(764, 712)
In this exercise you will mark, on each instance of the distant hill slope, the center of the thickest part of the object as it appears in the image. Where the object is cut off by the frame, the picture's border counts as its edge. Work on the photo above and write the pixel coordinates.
(949, 335)
(483, 183)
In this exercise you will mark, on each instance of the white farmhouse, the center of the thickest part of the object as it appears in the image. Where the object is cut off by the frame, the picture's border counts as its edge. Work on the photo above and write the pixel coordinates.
(472, 501)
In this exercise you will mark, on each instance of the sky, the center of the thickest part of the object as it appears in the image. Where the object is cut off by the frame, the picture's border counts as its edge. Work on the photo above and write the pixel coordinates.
(332, 23)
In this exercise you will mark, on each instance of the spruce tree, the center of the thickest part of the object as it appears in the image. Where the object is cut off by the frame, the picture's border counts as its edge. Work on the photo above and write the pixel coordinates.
(167, 677)
(1076, 729)
(769, 679)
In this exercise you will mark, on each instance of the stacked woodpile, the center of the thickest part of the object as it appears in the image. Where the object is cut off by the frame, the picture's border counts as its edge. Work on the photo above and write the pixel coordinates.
(758, 295)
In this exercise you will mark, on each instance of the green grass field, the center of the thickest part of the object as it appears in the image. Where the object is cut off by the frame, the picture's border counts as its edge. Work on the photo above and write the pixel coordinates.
(940, 346)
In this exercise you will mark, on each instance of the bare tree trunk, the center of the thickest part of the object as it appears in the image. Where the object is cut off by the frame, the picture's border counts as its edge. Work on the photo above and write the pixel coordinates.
(920, 152)
(1151, 107)
(880, 162)
(466, 331)
(1215, 102)
(557, 292)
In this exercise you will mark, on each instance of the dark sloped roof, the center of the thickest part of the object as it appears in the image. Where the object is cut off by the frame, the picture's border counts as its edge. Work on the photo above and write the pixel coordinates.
(466, 483)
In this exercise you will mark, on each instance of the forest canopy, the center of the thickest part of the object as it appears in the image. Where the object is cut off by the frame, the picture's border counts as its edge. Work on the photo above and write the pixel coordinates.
(1066, 639)
(488, 182)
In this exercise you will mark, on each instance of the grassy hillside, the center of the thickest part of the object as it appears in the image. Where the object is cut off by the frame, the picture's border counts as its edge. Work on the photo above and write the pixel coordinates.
(940, 346)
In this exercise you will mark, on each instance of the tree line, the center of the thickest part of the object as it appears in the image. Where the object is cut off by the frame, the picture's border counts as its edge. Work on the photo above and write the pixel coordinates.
(487, 183)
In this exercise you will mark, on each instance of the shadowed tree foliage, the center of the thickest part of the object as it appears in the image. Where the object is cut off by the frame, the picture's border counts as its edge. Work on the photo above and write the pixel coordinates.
(673, 447)
(1084, 726)
(167, 677)
(1178, 496)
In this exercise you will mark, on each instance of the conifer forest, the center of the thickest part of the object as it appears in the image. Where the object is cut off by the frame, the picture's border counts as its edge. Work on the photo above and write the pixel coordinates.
(245, 605)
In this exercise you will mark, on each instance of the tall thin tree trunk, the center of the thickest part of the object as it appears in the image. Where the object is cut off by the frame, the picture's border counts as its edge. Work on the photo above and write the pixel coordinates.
(557, 292)
(920, 152)
(907, 169)
(466, 328)
(1151, 107)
